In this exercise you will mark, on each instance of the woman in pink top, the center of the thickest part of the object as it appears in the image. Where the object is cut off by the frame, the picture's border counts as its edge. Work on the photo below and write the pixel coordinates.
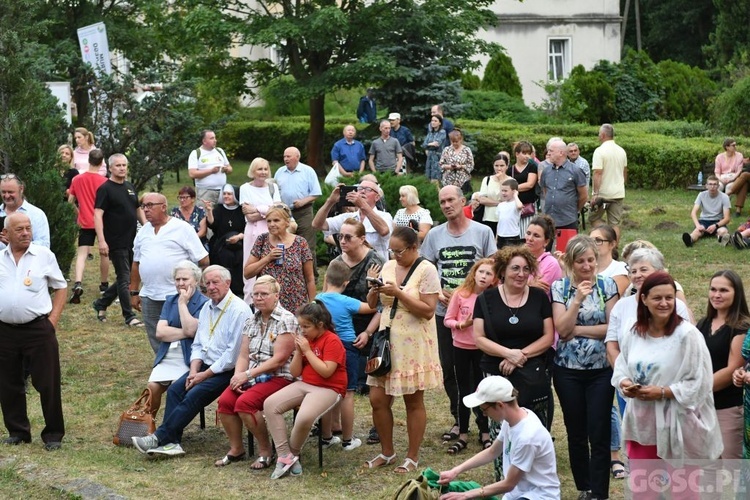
(84, 144)
(728, 168)
(539, 236)
(459, 318)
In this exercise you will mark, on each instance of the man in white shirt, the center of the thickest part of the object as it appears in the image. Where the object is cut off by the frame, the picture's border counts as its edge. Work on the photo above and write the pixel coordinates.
(160, 244)
(529, 463)
(209, 166)
(378, 225)
(212, 359)
(11, 189)
(28, 318)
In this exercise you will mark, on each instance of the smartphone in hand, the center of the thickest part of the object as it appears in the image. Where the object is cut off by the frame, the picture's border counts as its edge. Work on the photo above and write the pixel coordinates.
(375, 281)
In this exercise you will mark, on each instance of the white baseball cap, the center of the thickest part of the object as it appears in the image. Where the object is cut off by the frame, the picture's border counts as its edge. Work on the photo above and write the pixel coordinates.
(494, 389)
(394, 116)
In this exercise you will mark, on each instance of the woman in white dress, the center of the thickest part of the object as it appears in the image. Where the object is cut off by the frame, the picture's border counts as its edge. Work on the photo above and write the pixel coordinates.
(176, 329)
(412, 215)
(256, 197)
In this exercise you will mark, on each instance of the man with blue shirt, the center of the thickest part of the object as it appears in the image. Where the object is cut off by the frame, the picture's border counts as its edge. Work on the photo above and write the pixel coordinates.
(563, 186)
(348, 154)
(11, 189)
(212, 359)
(298, 188)
(398, 131)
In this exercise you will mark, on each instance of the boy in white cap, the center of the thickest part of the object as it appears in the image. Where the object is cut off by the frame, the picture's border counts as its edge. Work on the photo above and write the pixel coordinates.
(529, 463)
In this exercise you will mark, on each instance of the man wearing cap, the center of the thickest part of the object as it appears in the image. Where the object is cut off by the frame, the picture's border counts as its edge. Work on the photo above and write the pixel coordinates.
(385, 151)
(529, 464)
(400, 132)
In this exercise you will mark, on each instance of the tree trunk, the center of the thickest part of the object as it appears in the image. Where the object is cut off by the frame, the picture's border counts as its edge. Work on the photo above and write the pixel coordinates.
(317, 134)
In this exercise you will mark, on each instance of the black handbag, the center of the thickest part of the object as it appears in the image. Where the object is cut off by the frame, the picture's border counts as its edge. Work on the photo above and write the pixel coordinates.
(379, 360)
(479, 211)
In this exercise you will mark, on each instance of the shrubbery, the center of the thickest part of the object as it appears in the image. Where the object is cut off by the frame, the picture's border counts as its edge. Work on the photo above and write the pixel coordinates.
(501, 76)
(487, 105)
(730, 110)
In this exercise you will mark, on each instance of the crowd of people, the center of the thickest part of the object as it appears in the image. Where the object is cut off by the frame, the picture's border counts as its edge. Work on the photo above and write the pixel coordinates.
(502, 313)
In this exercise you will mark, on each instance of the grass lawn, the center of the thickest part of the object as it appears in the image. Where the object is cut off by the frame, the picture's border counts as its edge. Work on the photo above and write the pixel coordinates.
(105, 366)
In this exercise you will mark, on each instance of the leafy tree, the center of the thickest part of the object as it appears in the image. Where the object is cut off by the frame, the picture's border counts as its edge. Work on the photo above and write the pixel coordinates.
(326, 45)
(730, 41)
(486, 105)
(729, 109)
(587, 97)
(32, 123)
(470, 81)
(500, 75)
(686, 91)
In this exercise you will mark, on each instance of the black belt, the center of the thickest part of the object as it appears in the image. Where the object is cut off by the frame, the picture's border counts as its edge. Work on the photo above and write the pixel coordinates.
(38, 318)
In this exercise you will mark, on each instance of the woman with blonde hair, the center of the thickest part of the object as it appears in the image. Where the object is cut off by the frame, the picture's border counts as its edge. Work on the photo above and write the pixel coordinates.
(457, 163)
(66, 166)
(412, 215)
(84, 144)
(284, 256)
(257, 196)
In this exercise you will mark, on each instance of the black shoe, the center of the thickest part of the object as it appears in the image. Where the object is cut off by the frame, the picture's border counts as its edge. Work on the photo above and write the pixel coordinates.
(687, 240)
(77, 292)
(103, 286)
(52, 445)
(90, 257)
(15, 441)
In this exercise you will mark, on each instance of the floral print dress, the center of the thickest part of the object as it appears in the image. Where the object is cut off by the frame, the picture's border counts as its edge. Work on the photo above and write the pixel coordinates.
(289, 273)
(463, 159)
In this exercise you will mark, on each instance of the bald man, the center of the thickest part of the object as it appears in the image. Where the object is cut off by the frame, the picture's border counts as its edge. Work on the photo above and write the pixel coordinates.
(160, 244)
(299, 187)
(28, 318)
(563, 187)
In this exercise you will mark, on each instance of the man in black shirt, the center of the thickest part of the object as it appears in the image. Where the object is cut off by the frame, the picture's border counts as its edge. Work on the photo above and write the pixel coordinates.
(116, 214)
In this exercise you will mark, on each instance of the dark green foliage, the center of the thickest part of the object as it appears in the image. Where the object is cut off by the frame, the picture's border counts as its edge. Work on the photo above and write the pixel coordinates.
(487, 105)
(730, 41)
(687, 91)
(32, 126)
(501, 76)
(730, 109)
(470, 81)
(587, 97)
(637, 86)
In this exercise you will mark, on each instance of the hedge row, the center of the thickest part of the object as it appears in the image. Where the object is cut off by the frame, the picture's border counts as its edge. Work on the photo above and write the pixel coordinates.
(660, 154)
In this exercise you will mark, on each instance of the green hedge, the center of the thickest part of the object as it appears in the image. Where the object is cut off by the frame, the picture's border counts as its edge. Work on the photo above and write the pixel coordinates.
(660, 154)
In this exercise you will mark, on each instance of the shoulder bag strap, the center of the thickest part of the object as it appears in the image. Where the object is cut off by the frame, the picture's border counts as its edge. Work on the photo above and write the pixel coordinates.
(403, 284)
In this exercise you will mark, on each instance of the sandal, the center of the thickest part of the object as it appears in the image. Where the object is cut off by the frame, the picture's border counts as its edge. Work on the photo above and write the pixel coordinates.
(618, 469)
(409, 465)
(370, 464)
(135, 322)
(485, 443)
(101, 314)
(457, 447)
(373, 437)
(228, 459)
(451, 435)
(261, 463)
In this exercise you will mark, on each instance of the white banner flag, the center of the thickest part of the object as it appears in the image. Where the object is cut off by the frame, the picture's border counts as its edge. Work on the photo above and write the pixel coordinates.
(95, 48)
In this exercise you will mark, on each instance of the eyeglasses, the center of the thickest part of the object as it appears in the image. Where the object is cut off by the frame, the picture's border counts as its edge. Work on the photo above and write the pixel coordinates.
(599, 241)
(365, 189)
(347, 237)
(184, 197)
(8, 176)
(261, 295)
(149, 206)
(283, 207)
(486, 406)
(518, 269)
(397, 253)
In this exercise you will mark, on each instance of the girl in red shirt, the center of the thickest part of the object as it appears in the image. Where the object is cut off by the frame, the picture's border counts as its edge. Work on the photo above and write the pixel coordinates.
(320, 362)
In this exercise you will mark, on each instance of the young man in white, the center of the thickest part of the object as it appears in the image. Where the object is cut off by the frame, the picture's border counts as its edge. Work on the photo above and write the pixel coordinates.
(209, 166)
(529, 464)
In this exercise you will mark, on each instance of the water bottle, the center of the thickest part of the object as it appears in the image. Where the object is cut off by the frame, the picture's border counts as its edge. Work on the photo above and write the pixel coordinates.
(263, 377)
(700, 178)
(280, 260)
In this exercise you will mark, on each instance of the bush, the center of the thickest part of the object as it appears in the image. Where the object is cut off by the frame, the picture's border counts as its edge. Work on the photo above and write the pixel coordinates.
(587, 97)
(501, 76)
(729, 109)
(488, 105)
(470, 81)
(686, 91)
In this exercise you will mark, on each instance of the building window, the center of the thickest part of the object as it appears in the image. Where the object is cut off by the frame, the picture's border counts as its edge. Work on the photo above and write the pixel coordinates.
(559, 58)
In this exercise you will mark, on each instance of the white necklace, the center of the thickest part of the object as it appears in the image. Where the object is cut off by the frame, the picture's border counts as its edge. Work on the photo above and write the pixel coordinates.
(513, 320)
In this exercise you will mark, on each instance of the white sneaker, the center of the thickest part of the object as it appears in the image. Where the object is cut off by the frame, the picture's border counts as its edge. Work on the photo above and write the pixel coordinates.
(171, 449)
(352, 445)
(327, 443)
(145, 443)
(724, 239)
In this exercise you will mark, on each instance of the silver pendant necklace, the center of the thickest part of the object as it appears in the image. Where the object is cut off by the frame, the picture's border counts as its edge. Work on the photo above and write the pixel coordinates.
(513, 320)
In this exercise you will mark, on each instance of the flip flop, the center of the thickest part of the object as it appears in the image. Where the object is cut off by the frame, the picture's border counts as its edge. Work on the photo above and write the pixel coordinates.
(135, 322)
(228, 459)
(618, 469)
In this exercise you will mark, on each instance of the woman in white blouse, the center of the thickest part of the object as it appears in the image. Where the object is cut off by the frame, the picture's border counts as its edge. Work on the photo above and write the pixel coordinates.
(412, 215)
(256, 197)
(664, 369)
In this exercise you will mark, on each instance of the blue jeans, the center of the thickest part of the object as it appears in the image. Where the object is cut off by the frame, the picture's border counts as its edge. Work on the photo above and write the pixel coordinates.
(121, 259)
(151, 311)
(614, 442)
(586, 400)
(183, 405)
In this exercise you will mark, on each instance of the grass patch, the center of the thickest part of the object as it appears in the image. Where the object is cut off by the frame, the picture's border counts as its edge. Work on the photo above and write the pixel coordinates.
(105, 366)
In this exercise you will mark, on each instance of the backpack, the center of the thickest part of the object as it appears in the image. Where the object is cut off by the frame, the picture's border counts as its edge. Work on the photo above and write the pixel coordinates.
(599, 289)
(416, 489)
(221, 152)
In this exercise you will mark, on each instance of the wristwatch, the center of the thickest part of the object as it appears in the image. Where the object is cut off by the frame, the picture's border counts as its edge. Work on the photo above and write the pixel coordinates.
(134, 293)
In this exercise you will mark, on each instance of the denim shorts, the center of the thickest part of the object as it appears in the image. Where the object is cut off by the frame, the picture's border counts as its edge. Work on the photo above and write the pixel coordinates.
(352, 365)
